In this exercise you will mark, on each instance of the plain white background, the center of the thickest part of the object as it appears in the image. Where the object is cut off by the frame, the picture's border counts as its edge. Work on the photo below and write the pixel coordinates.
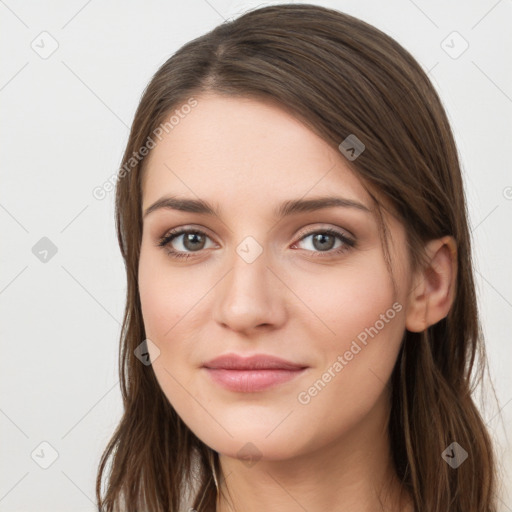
(65, 121)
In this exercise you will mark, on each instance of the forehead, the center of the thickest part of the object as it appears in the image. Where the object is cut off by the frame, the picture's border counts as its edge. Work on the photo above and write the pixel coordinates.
(245, 152)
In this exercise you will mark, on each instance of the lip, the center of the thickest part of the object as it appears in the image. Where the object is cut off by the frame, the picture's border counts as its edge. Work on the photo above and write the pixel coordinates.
(251, 374)
(254, 362)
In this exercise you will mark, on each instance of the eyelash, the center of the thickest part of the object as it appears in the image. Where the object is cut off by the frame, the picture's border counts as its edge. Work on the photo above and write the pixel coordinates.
(348, 243)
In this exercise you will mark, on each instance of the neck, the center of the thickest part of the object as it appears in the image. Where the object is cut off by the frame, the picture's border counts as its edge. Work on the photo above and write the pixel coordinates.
(353, 472)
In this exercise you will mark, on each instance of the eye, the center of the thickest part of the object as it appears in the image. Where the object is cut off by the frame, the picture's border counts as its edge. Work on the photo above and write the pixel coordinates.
(324, 241)
(191, 240)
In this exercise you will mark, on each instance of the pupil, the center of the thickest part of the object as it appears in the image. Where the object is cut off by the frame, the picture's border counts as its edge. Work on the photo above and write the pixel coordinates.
(321, 238)
(191, 239)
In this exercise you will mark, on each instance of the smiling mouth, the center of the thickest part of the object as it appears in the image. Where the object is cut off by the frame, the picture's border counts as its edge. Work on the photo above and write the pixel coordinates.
(257, 372)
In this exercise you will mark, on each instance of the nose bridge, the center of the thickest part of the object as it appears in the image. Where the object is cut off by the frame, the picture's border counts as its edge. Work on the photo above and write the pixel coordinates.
(246, 298)
(249, 274)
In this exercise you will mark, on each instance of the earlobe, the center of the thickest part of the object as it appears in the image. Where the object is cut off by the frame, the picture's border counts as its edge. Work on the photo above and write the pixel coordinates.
(433, 289)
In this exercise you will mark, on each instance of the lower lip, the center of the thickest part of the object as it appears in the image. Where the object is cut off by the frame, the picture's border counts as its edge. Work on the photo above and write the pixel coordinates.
(249, 381)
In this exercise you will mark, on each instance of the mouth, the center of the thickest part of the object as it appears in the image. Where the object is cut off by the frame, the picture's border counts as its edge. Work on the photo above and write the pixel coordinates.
(251, 374)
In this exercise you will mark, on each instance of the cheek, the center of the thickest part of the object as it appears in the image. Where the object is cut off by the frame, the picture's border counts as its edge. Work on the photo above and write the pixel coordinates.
(173, 310)
(167, 300)
(349, 299)
(361, 331)
(166, 295)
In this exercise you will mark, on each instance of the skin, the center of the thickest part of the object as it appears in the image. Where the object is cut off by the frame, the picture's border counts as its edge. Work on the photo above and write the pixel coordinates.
(293, 301)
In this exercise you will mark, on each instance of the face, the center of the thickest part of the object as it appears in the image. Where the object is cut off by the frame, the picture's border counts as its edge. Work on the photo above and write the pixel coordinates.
(310, 287)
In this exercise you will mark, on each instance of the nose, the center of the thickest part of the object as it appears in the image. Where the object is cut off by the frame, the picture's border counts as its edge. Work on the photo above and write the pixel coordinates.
(250, 297)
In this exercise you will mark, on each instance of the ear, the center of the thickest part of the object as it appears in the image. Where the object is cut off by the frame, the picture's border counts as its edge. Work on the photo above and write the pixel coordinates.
(433, 288)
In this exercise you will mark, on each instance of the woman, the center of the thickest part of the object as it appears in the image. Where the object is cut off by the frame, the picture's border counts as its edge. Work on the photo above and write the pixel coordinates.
(315, 349)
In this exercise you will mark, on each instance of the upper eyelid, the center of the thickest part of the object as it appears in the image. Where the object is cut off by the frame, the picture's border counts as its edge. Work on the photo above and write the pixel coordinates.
(340, 231)
(183, 230)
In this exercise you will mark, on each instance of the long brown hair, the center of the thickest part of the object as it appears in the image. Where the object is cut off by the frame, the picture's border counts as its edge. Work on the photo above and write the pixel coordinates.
(340, 76)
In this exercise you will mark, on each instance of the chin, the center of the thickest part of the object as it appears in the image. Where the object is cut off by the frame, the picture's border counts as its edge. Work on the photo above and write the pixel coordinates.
(251, 449)
(251, 440)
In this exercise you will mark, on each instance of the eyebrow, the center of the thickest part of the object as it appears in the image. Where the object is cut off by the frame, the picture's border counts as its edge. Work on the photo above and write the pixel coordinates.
(287, 208)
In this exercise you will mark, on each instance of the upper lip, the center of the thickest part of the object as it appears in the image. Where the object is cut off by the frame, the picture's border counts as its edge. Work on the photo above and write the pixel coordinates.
(254, 362)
